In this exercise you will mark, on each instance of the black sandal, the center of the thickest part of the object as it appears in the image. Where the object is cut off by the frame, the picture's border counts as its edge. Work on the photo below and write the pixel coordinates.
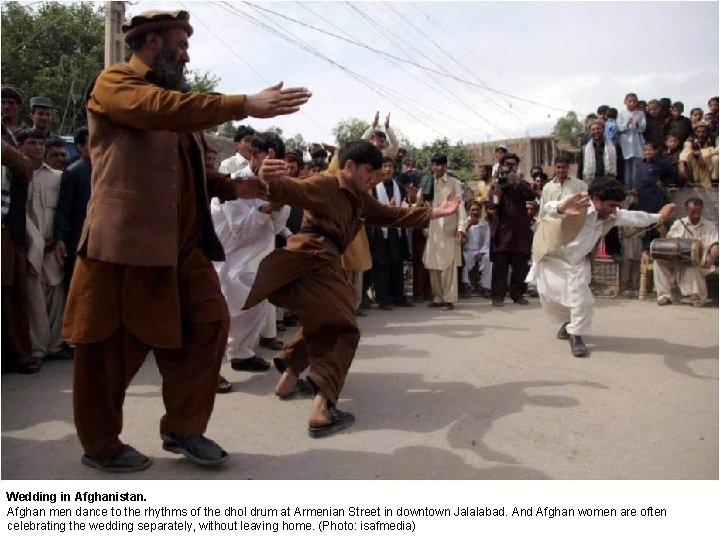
(223, 386)
(339, 420)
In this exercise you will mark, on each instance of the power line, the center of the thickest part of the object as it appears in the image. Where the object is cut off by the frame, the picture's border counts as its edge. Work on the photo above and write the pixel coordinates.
(317, 53)
(385, 33)
(251, 68)
(384, 53)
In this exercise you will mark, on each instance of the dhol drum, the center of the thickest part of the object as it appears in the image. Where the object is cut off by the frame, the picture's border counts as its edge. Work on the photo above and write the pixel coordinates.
(680, 250)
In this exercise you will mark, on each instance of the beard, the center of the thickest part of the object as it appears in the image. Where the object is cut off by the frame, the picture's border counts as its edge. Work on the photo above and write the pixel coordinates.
(169, 72)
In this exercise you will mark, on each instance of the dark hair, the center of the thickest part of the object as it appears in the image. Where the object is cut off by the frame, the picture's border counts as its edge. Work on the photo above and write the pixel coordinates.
(715, 99)
(562, 158)
(607, 188)
(665, 102)
(678, 105)
(55, 141)
(630, 95)
(318, 163)
(612, 113)
(210, 150)
(694, 200)
(696, 109)
(81, 136)
(439, 159)
(542, 175)
(243, 131)
(651, 143)
(266, 140)
(408, 161)
(319, 153)
(361, 152)
(603, 109)
(405, 179)
(388, 159)
(379, 133)
(591, 116)
(507, 157)
(28, 133)
(295, 155)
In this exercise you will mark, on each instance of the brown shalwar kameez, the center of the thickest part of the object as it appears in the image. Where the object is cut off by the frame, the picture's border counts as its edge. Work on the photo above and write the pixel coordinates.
(118, 311)
(306, 276)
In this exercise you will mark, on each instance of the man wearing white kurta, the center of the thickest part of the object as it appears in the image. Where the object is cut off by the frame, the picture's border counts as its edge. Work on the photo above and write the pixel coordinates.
(445, 236)
(565, 236)
(45, 272)
(246, 229)
(241, 159)
(690, 279)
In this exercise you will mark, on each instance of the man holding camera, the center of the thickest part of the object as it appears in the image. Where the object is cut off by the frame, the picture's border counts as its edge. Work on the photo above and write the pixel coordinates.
(510, 232)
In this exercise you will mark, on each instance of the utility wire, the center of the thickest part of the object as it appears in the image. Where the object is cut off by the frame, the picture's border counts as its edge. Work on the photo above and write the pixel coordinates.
(317, 53)
(385, 33)
(251, 68)
(384, 53)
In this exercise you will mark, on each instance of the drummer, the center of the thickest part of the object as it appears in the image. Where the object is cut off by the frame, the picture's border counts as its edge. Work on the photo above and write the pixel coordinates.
(565, 236)
(690, 279)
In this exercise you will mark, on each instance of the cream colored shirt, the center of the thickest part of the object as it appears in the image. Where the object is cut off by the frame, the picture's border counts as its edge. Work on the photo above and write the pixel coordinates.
(555, 191)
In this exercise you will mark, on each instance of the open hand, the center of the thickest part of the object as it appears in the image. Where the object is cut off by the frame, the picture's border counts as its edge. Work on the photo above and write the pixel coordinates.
(574, 204)
(449, 206)
(276, 101)
(387, 121)
(667, 211)
(376, 120)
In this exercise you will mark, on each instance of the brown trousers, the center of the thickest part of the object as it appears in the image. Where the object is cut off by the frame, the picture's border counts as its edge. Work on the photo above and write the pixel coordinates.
(104, 370)
(328, 335)
(16, 346)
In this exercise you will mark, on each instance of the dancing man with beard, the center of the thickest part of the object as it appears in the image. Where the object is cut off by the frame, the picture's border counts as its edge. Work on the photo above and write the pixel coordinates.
(143, 278)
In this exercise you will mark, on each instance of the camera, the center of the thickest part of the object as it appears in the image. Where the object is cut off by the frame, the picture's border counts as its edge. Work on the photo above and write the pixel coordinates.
(502, 178)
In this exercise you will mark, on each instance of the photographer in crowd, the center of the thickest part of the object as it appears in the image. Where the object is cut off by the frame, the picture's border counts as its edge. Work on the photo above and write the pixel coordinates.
(510, 232)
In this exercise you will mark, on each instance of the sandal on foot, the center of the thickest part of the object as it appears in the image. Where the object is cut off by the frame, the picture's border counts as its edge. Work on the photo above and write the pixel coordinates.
(339, 420)
(249, 364)
(125, 460)
(197, 448)
(303, 390)
(273, 344)
(223, 386)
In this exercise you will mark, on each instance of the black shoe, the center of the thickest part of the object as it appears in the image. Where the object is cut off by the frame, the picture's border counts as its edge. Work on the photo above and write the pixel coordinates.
(366, 303)
(280, 326)
(402, 303)
(386, 307)
(125, 460)
(290, 320)
(520, 300)
(563, 333)
(497, 303)
(360, 313)
(577, 346)
(197, 448)
(249, 364)
(447, 306)
(274, 344)
(223, 386)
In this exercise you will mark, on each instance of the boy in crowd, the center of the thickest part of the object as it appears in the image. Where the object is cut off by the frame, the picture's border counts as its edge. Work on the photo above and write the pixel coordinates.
(631, 124)
(679, 124)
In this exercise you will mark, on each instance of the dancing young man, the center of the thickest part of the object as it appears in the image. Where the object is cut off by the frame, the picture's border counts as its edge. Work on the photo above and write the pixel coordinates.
(566, 236)
(307, 278)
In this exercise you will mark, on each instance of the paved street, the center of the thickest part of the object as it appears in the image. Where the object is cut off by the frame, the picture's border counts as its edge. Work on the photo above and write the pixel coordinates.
(475, 393)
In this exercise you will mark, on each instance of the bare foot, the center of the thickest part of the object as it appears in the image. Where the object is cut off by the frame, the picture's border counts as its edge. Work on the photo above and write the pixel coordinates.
(319, 415)
(287, 383)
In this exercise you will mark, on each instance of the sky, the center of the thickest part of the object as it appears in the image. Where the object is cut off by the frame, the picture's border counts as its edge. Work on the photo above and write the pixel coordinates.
(469, 71)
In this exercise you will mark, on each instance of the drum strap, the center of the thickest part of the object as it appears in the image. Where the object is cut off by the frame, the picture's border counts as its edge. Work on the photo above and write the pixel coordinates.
(687, 228)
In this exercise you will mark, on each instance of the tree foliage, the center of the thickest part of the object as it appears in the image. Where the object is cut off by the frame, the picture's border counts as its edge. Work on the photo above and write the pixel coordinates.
(296, 142)
(53, 51)
(460, 157)
(202, 81)
(348, 130)
(568, 128)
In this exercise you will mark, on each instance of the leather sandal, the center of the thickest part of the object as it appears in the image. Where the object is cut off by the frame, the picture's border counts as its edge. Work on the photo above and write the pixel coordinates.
(273, 344)
(223, 386)
(197, 448)
(125, 460)
(339, 420)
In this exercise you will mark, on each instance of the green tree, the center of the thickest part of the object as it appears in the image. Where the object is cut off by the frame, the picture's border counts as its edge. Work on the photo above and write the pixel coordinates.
(349, 129)
(460, 157)
(276, 130)
(296, 142)
(53, 50)
(202, 81)
(228, 129)
(568, 128)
